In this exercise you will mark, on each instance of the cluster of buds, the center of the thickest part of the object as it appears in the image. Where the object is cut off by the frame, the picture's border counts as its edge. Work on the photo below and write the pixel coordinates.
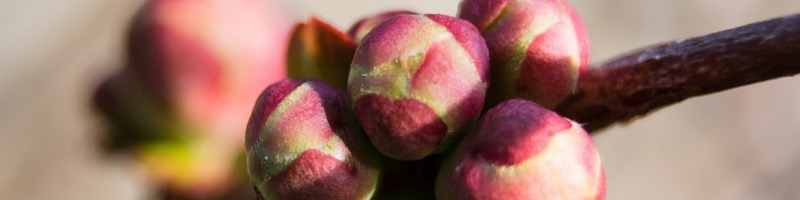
(416, 84)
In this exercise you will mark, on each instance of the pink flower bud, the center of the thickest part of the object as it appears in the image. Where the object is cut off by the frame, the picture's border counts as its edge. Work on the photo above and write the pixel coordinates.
(519, 150)
(207, 60)
(364, 26)
(416, 80)
(538, 47)
(302, 142)
(194, 70)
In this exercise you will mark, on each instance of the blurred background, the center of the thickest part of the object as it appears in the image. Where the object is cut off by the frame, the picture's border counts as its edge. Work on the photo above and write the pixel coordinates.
(738, 144)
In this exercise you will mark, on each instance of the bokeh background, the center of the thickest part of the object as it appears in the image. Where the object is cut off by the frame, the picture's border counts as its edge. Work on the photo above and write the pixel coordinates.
(737, 144)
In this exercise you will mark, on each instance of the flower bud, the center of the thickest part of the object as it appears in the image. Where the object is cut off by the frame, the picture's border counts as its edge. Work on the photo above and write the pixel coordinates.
(538, 47)
(520, 150)
(317, 50)
(206, 61)
(302, 142)
(416, 80)
(364, 26)
(194, 70)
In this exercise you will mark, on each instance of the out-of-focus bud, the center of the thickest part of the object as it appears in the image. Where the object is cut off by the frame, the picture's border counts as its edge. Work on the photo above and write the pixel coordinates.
(207, 60)
(195, 68)
(538, 48)
(416, 80)
(317, 50)
(520, 150)
(302, 142)
(364, 26)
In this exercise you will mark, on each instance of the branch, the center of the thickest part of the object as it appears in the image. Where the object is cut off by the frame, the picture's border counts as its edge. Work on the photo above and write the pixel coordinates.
(654, 77)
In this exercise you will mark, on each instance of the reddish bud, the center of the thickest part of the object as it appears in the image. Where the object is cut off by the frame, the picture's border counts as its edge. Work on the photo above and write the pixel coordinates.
(302, 142)
(520, 150)
(538, 48)
(364, 26)
(195, 69)
(206, 61)
(416, 80)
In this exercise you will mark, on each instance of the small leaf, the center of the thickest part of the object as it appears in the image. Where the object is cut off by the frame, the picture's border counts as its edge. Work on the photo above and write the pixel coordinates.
(318, 50)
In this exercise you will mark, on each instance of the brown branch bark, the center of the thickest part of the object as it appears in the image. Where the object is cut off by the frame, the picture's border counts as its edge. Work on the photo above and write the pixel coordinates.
(654, 77)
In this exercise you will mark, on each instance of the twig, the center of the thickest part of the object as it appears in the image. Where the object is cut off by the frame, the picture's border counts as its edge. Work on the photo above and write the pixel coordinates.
(651, 78)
